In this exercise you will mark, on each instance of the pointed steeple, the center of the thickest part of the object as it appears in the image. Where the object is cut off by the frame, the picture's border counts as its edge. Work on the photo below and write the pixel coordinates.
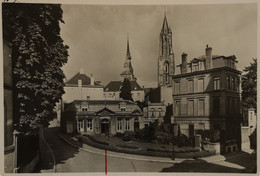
(165, 27)
(128, 55)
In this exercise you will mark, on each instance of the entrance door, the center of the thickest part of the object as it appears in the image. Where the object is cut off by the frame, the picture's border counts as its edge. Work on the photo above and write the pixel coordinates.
(136, 124)
(105, 126)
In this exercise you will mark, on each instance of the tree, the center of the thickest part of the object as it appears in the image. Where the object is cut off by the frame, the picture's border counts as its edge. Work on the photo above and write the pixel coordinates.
(125, 91)
(38, 53)
(249, 88)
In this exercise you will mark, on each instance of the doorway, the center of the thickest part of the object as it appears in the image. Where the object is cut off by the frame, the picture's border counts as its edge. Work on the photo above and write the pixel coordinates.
(105, 126)
(136, 124)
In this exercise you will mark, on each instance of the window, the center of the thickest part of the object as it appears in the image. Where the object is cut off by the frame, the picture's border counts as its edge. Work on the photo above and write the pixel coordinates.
(200, 84)
(191, 86)
(160, 112)
(153, 112)
(201, 107)
(119, 124)
(122, 108)
(138, 94)
(166, 67)
(80, 125)
(88, 97)
(146, 125)
(232, 83)
(216, 83)
(196, 67)
(178, 108)
(84, 109)
(190, 108)
(89, 124)
(127, 124)
(177, 87)
(228, 83)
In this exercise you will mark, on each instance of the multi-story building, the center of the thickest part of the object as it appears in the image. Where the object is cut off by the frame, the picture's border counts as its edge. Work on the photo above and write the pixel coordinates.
(112, 89)
(107, 116)
(152, 112)
(206, 95)
(82, 87)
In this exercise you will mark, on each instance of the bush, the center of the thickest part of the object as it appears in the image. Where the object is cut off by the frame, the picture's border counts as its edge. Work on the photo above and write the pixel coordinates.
(128, 136)
(182, 140)
(211, 135)
(118, 135)
(163, 138)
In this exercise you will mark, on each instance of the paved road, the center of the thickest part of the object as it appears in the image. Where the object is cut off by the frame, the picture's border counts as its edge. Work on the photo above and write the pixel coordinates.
(70, 159)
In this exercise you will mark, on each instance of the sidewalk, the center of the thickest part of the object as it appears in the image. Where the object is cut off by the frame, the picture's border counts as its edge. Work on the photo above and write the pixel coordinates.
(73, 142)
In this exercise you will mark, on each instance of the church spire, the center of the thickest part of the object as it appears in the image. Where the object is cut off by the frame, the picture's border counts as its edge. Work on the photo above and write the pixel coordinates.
(128, 55)
(165, 28)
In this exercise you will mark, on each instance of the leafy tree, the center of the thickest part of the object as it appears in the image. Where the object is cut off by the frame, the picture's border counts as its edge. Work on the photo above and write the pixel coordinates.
(249, 87)
(38, 53)
(125, 91)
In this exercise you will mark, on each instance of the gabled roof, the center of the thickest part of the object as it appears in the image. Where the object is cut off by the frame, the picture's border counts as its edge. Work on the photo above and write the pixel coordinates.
(85, 80)
(105, 110)
(114, 86)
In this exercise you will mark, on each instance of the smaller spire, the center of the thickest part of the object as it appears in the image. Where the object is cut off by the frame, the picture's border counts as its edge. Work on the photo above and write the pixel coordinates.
(128, 55)
(165, 27)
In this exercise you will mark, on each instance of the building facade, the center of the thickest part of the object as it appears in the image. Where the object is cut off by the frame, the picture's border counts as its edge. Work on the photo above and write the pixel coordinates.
(153, 111)
(206, 95)
(107, 116)
(82, 87)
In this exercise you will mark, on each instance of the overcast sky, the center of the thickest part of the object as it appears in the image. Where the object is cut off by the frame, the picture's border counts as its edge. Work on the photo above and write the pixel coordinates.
(97, 34)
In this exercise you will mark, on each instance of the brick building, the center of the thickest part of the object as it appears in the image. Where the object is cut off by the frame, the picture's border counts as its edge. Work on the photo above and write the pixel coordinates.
(206, 95)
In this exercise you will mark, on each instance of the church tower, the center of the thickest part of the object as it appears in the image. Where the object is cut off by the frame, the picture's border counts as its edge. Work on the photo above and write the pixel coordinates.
(166, 57)
(128, 69)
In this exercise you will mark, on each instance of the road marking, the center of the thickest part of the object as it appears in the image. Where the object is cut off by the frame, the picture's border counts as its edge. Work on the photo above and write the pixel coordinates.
(106, 162)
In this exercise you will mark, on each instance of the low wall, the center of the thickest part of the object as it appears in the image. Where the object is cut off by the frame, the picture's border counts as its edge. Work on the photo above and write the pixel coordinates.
(212, 147)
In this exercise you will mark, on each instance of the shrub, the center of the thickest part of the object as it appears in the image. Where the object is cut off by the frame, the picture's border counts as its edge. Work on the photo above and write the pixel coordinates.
(128, 136)
(212, 135)
(163, 138)
(182, 140)
(119, 135)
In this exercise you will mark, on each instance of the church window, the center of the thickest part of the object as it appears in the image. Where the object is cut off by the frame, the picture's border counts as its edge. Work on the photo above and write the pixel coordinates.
(166, 68)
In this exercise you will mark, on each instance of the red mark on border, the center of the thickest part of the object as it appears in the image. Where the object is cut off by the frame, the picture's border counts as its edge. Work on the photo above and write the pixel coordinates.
(106, 162)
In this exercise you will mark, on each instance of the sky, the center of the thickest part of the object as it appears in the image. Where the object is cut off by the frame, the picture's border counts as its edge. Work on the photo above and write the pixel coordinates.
(97, 36)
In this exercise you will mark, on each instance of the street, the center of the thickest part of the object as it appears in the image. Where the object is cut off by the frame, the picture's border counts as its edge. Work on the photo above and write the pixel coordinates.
(71, 159)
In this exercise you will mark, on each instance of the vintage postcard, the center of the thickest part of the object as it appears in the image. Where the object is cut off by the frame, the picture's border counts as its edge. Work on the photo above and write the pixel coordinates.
(109, 87)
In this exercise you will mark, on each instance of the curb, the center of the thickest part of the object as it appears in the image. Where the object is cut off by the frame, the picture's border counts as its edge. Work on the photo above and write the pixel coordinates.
(151, 160)
(54, 161)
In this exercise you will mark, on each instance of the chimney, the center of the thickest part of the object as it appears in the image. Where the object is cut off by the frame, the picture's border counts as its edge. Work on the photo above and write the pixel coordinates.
(79, 83)
(208, 57)
(81, 71)
(184, 63)
(92, 80)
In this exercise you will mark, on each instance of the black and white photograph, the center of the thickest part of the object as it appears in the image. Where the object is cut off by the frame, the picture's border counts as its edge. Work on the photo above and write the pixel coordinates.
(112, 87)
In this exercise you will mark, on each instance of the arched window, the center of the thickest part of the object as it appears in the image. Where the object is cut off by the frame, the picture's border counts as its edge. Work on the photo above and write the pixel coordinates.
(152, 112)
(160, 112)
(166, 67)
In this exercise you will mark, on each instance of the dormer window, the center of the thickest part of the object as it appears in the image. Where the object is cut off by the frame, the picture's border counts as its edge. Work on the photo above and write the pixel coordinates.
(122, 108)
(84, 106)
